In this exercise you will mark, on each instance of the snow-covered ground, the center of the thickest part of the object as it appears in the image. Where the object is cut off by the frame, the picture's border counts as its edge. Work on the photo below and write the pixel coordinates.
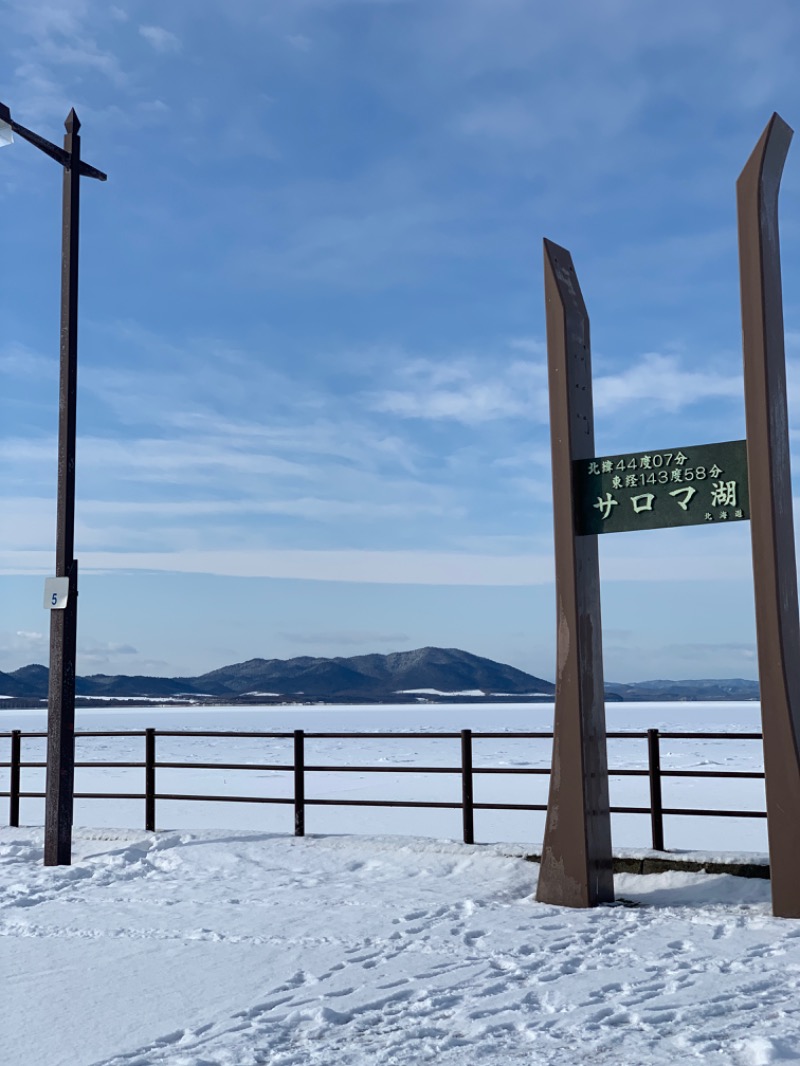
(221, 946)
(236, 948)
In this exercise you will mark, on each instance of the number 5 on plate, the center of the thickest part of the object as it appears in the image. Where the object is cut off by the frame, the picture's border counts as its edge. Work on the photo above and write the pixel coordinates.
(56, 593)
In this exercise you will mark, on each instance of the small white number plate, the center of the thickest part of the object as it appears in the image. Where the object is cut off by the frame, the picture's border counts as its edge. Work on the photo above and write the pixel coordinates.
(56, 593)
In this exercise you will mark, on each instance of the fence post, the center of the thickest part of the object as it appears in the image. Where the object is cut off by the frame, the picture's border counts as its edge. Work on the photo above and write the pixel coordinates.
(299, 785)
(466, 786)
(13, 783)
(150, 780)
(656, 809)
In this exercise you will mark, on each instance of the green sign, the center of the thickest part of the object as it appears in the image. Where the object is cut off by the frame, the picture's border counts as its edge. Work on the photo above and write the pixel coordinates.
(701, 485)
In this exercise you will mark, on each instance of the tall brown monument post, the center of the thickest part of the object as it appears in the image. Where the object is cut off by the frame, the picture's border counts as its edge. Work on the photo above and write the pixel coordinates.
(772, 526)
(705, 484)
(576, 867)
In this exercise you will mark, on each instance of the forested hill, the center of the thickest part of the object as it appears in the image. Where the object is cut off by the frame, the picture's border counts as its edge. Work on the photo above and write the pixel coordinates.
(424, 673)
(435, 674)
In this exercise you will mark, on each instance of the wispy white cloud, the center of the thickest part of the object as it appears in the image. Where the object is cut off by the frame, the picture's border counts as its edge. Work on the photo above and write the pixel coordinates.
(98, 653)
(594, 112)
(467, 389)
(44, 95)
(97, 656)
(467, 401)
(83, 55)
(358, 443)
(299, 41)
(211, 503)
(357, 235)
(473, 390)
(56, 48)
(162, 40)
(661, 383)
(18, 361)
(65, 19)
(21, 646)
(156, 460)
(373, 567)
(399, 567)
(300, 507)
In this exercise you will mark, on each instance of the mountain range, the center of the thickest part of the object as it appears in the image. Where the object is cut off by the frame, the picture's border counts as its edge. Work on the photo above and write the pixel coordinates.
(430, 674)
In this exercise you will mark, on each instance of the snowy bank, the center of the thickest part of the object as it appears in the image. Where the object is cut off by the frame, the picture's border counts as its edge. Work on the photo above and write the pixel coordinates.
(235, 948)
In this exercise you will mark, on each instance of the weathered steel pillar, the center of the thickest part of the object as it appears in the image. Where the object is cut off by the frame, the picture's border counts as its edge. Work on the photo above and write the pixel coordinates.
(64, 624)
(576, 868)
(63, 618)
(772, 525)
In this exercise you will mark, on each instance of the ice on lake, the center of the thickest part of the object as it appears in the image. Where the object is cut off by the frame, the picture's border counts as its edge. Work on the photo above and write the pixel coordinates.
(381, 783)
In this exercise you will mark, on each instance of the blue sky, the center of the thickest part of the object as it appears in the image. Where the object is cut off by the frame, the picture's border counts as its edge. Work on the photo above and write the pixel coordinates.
(312, 385)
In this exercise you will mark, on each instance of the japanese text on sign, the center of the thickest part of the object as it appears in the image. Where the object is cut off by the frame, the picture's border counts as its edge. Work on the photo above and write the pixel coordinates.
(697, 485)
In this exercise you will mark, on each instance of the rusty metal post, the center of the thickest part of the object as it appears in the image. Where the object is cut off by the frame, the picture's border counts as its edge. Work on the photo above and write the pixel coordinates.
(772, 525)
(14, 777)
(656, 803)
(576, 867)
(299, 784)
(150, 780)
(467, 800)
(64, 624)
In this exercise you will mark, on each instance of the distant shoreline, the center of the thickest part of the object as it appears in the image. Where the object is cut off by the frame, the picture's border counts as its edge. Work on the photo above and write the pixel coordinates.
(172, 703)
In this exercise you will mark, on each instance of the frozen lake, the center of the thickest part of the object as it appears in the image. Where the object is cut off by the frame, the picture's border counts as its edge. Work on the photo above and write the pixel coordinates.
(522, 827)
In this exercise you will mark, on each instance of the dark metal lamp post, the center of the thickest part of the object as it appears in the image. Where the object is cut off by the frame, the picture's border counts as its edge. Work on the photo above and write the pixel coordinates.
(63, 621)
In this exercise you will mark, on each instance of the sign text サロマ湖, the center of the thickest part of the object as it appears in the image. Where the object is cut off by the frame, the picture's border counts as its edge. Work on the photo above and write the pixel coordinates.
(705, 484)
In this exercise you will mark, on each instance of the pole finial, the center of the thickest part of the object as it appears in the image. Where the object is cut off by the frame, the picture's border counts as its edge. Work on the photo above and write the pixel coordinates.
(72, 123)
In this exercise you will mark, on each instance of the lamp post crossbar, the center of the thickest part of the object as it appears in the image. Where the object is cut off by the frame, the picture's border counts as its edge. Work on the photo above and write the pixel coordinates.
(61, 155)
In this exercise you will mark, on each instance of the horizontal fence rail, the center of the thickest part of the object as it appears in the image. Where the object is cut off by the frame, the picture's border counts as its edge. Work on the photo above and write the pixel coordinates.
(299, 769)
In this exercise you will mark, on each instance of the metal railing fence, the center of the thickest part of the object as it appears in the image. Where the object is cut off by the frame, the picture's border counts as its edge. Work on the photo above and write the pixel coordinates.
(299, 768)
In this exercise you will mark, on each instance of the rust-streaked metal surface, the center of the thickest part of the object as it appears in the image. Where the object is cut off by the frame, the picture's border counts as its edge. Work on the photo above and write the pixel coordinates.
(772, 525)
(576, 866)
(64, 624)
